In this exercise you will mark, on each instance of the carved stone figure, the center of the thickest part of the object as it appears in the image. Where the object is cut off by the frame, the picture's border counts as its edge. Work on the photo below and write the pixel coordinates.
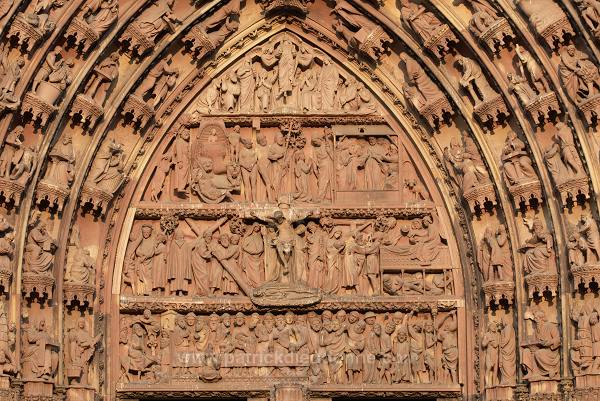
(540, 353)
(7, 249)
(11, 152)
(39, 352)
(468, 171)
(95, 18)
(81, 269)
(494, 255)
(488, 104)
(590, 13)
(564, 164)
(361, 34)
(434, 35)
(548, 20)
(518, 171)
(8, 364)
(39, 252)
(323, 166)
(33, 24)
(539, 260)
(144, 248)
(143, 33)
(89, 104)
(580, 76)
(109, 165)
(584, 249)
(211, 33)
(48, 86)
(488, 26)
(81, 347)
(62, 163)
(10, 74)
(423, 93)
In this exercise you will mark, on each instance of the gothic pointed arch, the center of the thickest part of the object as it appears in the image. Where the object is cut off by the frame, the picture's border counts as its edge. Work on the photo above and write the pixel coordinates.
(294, 199)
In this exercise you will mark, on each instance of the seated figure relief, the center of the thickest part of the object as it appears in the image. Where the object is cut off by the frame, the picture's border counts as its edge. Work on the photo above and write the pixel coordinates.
(329, 348)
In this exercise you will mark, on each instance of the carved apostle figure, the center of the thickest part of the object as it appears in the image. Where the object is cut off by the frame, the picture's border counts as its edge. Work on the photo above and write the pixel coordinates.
(474, 81)
(538, 250)
(179, 273)
(253, 249)
(81, 346)
(494, 255)
(323, 165)
(516, 163)
(144, 247)
(540, 354)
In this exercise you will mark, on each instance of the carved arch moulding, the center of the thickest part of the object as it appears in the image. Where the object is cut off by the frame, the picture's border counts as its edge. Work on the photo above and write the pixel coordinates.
(295, 199)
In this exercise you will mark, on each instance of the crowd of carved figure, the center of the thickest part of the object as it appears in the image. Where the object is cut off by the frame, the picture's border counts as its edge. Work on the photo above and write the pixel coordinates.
(338, 257)
(286, 76)
(217, 165)
(328, 347)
